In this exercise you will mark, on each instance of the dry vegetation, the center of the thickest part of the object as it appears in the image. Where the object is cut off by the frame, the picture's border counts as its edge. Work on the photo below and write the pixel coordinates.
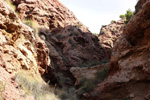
(2, 89)
(32, 84)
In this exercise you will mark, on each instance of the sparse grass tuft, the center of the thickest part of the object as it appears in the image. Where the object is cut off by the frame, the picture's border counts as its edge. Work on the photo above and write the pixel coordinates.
(2, 89)
(32, 24)
(34, 85)
(10, 4)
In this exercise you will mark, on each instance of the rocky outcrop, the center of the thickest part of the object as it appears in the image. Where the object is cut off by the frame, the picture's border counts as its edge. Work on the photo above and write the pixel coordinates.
(109, 34)
(20, 49)
(47, 13)
(78, 47)
(70, 47)
(70, 43)
(129, 65)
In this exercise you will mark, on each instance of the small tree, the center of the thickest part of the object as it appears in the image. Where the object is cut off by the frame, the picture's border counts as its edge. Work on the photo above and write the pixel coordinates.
(127, 16)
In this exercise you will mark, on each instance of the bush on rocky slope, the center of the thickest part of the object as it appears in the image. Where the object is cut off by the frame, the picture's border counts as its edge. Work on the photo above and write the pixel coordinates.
(33, 85)
(87, 85)
(127, 16)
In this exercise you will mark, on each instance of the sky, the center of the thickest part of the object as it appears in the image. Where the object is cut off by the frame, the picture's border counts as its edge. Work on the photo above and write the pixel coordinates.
(95, 13)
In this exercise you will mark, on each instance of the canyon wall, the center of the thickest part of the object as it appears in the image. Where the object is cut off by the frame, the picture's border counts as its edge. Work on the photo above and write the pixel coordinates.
(128, 76)
(70, 43)
(20, 51)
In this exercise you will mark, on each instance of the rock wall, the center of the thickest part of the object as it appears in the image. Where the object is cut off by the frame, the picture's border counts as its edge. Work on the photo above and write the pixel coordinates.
(48, 13)
(20, 49)
(129, 66)
(109, 34)
(70, 43)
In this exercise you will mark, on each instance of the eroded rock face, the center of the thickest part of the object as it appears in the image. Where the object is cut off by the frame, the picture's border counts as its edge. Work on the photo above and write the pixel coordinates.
(70, 47)
(78, 47)
(129, 66)
(70, 43)
(20, 49)
(48, 13)
(109, 34)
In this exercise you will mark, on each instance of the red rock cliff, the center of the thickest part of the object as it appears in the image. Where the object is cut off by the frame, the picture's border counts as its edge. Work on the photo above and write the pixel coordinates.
(129, 66)
(69, 41)
(109, 34)
(20, 50)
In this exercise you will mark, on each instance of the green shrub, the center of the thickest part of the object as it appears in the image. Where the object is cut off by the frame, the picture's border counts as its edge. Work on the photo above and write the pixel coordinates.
(101, 74)
(113, 21)
(87, 85)
(2, 89)
(127, 16)
(122, 16)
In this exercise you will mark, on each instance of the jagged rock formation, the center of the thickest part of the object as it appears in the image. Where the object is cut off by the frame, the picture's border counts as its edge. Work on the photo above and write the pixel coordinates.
(69, 41)
(109, 34)
(20, 49)
(129, 65)
(48, 13)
